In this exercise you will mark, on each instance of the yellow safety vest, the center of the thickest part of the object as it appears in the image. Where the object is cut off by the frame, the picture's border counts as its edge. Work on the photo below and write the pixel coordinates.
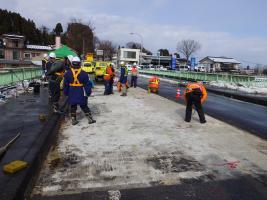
(60, 73)
(75, 74)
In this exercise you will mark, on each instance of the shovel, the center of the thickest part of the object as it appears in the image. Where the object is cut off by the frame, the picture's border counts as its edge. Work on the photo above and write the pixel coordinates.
(5, 147)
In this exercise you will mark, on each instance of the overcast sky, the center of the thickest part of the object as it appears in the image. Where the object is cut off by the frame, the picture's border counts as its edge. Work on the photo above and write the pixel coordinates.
(233, 28)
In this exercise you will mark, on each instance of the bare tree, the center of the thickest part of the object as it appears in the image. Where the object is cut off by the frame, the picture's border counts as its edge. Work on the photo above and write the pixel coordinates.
(80, 37)
(188, 47)
(108, 48)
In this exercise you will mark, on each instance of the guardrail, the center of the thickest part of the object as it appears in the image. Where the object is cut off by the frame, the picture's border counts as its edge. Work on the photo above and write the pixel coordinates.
(230, 78)
(13, 75)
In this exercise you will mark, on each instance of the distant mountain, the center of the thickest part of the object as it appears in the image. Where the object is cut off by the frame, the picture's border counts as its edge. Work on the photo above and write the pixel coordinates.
(14, 23)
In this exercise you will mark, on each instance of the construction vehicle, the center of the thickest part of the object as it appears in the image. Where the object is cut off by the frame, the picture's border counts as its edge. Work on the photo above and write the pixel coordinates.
(88, 67)
(100, 70)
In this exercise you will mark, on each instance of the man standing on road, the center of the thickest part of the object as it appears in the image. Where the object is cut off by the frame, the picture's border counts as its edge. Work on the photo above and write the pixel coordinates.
(51, 60)
(55, 72)
(108, 78)
(123, 78)
(112, 76)
(134, 76)
(77, 87)
(195, 94)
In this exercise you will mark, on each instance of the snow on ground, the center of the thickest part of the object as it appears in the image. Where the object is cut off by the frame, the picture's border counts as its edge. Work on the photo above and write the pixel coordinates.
(142, 140)
(239, 87)
(20, 88)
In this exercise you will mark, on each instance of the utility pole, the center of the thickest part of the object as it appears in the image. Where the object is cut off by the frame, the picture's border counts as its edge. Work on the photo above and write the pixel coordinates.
(83, 46)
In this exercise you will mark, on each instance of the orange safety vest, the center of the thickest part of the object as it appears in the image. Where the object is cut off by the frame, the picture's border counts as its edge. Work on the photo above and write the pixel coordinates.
(109, 71)
(134, 71)
(106, 77)
(191, 86)
(154, 82)
(75, 74)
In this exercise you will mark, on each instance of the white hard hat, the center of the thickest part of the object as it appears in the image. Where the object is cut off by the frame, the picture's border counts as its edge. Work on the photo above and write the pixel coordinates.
(45, 55)
(52, 55)
(122, 63)
(134, 64)
(76, 59)
(70, 57)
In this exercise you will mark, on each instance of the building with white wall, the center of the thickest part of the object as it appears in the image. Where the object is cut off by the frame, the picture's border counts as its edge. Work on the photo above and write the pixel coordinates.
(219, 64)
(129, 56)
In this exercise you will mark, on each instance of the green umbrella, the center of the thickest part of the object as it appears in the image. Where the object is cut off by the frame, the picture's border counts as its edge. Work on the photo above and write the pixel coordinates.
(64, 51)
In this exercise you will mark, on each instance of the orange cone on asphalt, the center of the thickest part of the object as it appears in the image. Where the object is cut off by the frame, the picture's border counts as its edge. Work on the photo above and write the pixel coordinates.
(178, 93)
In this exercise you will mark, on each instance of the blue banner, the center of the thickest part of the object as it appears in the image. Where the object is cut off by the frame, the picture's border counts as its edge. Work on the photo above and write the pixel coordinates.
(193, 63)
(173, 62)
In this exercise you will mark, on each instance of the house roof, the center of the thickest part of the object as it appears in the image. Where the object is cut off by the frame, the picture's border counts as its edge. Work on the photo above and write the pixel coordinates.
(39, 47)
(13, 36)
(221, 60)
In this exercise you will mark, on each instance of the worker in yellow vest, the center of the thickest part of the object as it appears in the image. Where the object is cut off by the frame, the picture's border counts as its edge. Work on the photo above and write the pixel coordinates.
(78, 87)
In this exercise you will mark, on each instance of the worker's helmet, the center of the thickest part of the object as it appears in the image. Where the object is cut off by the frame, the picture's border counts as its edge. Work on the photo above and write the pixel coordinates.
(76, 62)
(52, 55)
(70, 57)
(134, 64)
(111, 64)
(122, 63)
(45, 55)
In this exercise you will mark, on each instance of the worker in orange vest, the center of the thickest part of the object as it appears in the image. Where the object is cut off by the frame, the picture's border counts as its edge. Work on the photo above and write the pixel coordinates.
(108, 80)
(195, 94)
(134, 75)
(153, 85)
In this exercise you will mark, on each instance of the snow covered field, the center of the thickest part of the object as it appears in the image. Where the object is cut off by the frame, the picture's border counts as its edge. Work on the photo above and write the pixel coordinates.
(142, 140)
(239, 87)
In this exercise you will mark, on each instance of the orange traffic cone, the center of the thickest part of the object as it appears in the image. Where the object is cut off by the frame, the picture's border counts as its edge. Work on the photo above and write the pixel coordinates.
(178, 93)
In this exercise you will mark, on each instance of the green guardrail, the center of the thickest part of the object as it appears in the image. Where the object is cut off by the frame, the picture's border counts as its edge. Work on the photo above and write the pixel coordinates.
(230, 78)
(13, 75)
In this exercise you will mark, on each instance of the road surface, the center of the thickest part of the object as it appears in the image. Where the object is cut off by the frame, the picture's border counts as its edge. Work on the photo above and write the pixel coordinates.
(247, 116)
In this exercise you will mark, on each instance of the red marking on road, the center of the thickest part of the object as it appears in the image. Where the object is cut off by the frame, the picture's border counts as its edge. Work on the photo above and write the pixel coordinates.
(230, 165)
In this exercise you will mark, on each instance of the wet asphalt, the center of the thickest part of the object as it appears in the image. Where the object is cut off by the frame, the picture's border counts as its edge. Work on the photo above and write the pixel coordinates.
(247, 116)
(20, 115)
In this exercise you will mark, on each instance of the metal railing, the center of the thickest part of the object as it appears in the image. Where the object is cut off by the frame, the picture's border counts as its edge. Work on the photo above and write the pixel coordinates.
(13, 75)
(218, 77)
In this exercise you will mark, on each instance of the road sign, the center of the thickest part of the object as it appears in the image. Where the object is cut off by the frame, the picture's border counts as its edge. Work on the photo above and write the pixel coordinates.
(193, 63)
(99, 52)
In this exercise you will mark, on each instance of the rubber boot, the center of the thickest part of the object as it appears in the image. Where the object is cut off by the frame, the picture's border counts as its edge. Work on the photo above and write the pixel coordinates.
(90, 119)
(74, 121)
